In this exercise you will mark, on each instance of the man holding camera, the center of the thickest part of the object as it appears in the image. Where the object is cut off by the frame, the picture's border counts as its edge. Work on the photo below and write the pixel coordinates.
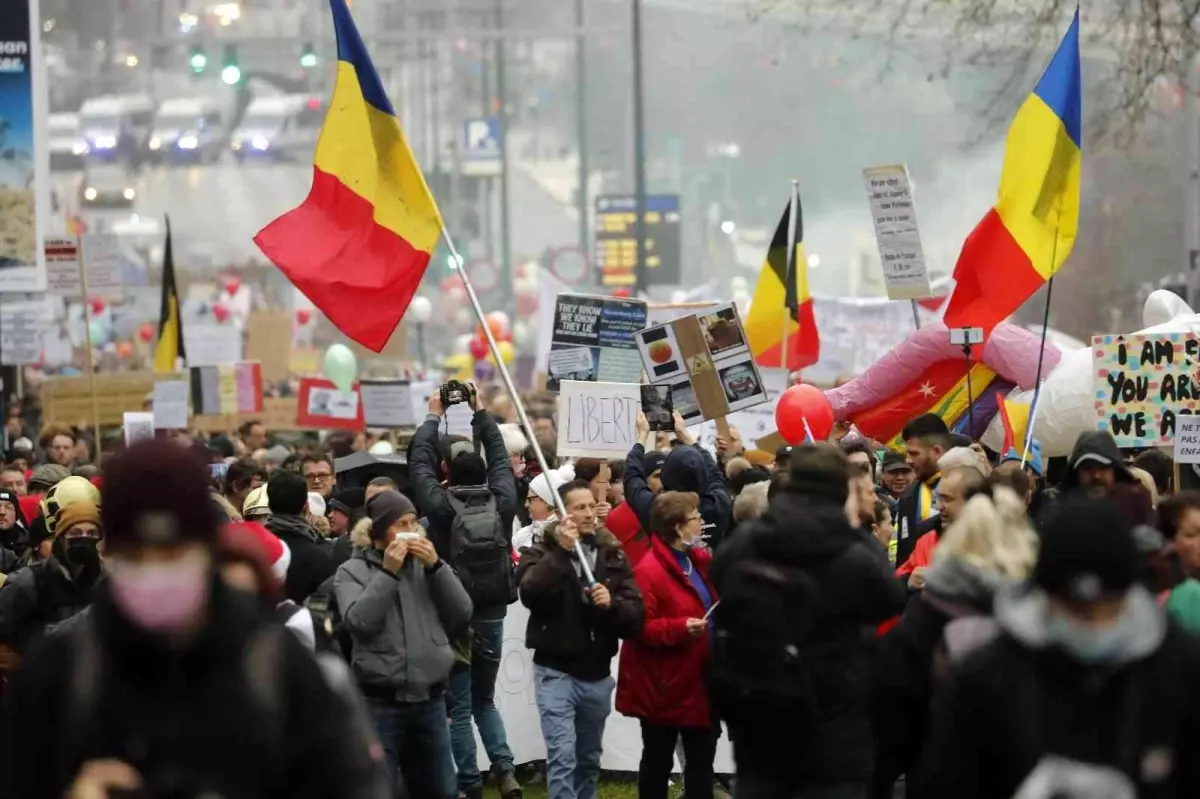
(470, 520)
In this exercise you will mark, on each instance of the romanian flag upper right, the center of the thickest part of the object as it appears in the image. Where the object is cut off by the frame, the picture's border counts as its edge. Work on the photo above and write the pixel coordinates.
(1030, 231)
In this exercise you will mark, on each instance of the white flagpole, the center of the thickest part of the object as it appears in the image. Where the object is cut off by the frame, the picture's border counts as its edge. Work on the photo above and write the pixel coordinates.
(789, 274)
(512, 391)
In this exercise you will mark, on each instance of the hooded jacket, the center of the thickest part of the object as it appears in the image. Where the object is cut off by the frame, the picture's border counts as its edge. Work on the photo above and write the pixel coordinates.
(401, 624)
(16, 537)
(1021, 699)
(687, 468)
(566, 631)
(35, 598)
(311, 563)
(859, 591)
(1099, 443)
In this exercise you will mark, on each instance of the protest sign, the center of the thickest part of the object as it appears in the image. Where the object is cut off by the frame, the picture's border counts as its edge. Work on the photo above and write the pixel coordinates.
(229, 388)
(1143, 383)
(706, 362)
(321, 404)
(592, 339)
(138, 425)
(751, 423)
(170, 400)
(1187, 439)
(387, 403)
(101, 254)
(23, 325)
(62, 267)
(889, 193)
(212, 343)
(597, 420)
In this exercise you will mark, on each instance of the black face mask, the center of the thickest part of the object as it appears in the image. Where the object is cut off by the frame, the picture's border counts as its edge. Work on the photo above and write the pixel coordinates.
(82, 553)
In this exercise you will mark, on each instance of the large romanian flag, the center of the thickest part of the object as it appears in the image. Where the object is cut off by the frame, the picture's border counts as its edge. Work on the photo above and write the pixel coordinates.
(1029, 233)
(359, 245)
(169, 347)
(781, 299)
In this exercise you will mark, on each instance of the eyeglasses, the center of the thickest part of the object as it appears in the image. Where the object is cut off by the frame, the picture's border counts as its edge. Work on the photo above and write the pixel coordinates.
(318, 478)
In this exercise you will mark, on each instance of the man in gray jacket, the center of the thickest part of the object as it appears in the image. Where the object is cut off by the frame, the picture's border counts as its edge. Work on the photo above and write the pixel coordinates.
(402, 605)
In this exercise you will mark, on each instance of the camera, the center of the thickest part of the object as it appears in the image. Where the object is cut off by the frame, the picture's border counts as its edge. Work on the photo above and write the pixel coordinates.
(453, 392)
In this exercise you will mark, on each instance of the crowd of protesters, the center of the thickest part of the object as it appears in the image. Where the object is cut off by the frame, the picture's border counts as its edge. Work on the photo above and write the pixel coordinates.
(230, 616)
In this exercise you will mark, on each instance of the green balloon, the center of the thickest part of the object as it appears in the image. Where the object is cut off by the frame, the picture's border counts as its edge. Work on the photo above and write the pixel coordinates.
(340, 366)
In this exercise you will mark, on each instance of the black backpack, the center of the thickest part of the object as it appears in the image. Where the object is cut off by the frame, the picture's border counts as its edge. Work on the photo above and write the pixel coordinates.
(479, 548)
(763, 627)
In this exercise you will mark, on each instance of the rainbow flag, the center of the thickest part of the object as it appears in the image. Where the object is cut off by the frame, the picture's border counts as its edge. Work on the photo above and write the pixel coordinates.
(359, 245)
(1024, 240)
(781, 298)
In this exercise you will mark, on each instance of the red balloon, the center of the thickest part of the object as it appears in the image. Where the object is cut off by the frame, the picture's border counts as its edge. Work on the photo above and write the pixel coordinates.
(124, 349)
(303, 315)
(221, 312)
(623, 292)
(799, 404)
(232, 285)
(146, 332)
(479, 348)
(97, 305)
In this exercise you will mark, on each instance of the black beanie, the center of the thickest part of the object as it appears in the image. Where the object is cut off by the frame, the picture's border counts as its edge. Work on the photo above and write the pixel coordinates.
(384, 509)
(1087, 550)
(819, 470)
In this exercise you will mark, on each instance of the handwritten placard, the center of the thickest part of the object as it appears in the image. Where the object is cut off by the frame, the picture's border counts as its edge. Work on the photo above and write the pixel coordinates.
(1187, 439)
(889, 193)
(1143, 384)
(597, 420)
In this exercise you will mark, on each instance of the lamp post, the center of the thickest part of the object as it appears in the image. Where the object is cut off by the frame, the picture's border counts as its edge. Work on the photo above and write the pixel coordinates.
(422, 311)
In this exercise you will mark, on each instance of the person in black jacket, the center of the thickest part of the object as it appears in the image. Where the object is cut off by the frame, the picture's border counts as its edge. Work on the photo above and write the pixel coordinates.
(471, 480)
(687, 468)
(14, 534)
(1086, 679)
(926, 440)
(175, 684)
(828, 752)
(312, 564)
(1096, 464)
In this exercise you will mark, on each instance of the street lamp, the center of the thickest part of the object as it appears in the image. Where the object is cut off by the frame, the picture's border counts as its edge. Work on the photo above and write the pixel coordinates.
(422, 311)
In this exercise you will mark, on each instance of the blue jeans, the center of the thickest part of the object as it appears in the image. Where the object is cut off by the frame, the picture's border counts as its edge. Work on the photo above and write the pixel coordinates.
(474, 689)
(416, 740)
(573, 713)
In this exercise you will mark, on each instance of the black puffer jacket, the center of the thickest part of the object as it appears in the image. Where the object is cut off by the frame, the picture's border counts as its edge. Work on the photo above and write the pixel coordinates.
(38, 597)
(312, 563)
(858, 590)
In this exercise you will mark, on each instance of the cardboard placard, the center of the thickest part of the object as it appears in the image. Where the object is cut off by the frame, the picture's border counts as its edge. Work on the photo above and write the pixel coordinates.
(1143, 384)
(68, 400)
(592, 339)
(706, 362)
(266, 332)
(170, 401)
(320, 404)
(753, 423)
(387, 403)
(212, 343)
(597, 420)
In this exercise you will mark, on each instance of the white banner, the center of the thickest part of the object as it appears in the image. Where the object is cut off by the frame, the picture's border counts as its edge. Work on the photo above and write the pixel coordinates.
(597, 420)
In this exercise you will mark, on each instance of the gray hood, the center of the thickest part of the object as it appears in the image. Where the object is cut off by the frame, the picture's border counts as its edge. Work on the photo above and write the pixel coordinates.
(1023, 613)
(955, 578)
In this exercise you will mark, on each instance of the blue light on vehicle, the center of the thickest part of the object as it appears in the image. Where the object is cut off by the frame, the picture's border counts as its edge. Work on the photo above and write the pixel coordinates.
(260, 143)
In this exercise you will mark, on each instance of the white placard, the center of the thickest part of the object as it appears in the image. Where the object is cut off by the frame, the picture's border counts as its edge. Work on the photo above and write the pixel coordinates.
(421, 390)
(170, 400)
(549, 287)
(139, 426)
(332, 403)
(23, 326)
(211, 344)
(1187, 439)
(101, 253)
(597, 420)
(458, 420)
(387, 403)
(889, 193)
(62, 267)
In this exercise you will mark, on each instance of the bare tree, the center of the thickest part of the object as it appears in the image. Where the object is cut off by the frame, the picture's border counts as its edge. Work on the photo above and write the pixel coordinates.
(1132, 49)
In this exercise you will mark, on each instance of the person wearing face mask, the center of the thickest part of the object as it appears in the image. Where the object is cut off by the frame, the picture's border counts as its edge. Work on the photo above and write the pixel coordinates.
(401, 605)
(662, 670)
(99, 707)
(1085, 675)
(51, 591)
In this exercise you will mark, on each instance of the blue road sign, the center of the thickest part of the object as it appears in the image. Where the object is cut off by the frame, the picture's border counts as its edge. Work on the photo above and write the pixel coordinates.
(481, 146)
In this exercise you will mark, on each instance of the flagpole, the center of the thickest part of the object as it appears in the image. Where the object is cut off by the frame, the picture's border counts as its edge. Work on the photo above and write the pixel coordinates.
(790, 268)
(1037, 385)
(512, 391)
(91, 365)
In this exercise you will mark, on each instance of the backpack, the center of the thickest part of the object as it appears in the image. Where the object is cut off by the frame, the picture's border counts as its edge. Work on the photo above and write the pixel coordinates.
(479, 548)
(762, 655)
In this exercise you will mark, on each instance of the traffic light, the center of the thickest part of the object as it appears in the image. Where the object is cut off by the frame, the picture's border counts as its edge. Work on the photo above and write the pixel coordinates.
(199, 60)
(308, 56)
(231, 71)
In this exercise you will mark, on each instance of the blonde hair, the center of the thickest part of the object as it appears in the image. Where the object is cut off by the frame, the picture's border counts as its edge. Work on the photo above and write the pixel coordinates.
(1143, 477)
(993, 534)
(751, 503)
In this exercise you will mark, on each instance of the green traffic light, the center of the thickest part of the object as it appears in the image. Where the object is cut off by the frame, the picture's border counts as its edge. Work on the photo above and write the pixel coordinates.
(308, 56)
(199, 62)
(232, 74)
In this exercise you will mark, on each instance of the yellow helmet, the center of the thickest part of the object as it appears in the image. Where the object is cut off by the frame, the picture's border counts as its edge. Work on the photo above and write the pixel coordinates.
(63, 493)
(256, 504)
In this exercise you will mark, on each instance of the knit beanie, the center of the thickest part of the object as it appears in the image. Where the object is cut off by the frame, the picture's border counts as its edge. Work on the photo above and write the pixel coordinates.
(156, 493)
(385, 509)
(1087, 550)
(545, 486)
(76, 513)
(816, 471)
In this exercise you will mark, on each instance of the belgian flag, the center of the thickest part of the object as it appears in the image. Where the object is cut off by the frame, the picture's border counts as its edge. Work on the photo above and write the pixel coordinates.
(169, 349)
(781, 299)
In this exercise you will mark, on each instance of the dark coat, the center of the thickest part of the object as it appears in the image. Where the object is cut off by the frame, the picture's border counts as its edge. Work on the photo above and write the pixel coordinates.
(311, 563)
(566, 631)
(188, 719)
(662, 677)
(1097, 442)
(1008, 705)
(685, 469)
(908, 522)
(37, 597)
(859, 591)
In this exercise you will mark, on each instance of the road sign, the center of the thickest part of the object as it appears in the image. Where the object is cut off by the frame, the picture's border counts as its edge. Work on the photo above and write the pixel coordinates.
(569, 264)
(616, 239)
(481, 155)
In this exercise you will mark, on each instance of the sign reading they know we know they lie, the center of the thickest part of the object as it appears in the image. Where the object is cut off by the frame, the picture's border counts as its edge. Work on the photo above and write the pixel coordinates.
(1143, 383)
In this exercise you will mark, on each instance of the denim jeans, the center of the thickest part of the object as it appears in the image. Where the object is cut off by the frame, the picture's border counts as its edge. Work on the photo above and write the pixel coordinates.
(573, 713)
(474, 689)
(416, 740)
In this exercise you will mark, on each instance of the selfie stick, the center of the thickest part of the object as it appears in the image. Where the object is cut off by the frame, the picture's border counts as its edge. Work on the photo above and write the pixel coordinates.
(457, 261)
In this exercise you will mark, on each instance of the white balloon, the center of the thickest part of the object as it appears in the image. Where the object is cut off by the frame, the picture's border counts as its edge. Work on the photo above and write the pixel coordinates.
(1162, 306)
(421, 309)
(463, 343)
(520, 333)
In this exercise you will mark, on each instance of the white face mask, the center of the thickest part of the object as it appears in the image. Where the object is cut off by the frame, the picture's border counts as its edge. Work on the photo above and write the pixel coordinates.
(162, 597)
(1084, 642)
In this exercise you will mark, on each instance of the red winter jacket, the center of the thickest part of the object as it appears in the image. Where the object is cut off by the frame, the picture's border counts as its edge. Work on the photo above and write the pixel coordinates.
(623, 523)
(662, 671)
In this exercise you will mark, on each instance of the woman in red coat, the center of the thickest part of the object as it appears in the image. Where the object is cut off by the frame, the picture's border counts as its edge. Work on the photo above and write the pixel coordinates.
(662, 675)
